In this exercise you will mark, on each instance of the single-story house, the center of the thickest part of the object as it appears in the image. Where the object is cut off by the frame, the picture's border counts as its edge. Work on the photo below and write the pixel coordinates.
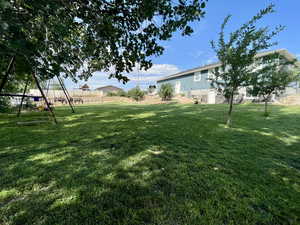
(195, 82)
(109, 89)
(85, 87)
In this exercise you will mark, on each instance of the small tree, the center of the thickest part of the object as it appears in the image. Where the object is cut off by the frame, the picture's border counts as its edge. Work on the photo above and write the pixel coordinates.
(237, 55)
(136, 93)
(273, 77)
(122, 93)
(4, 104)
(111, 94)
(166, 92)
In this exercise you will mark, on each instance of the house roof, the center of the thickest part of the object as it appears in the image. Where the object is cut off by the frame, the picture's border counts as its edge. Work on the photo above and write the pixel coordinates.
(109, 88)
(85, 86)
(283, 52)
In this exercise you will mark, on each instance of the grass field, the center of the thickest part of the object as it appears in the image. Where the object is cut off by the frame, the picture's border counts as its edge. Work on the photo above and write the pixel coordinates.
(152, 164)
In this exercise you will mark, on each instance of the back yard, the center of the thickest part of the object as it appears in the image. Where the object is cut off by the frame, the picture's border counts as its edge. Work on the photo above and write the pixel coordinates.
(152, 164)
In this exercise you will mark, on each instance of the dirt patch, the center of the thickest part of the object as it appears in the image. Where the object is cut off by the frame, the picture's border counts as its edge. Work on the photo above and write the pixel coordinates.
(147, 100)
(116, 99)
(290, 100)
(184, 100)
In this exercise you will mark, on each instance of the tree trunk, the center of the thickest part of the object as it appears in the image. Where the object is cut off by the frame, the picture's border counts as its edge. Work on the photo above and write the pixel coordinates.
(266, 106)
(230, 109)
(8, 70)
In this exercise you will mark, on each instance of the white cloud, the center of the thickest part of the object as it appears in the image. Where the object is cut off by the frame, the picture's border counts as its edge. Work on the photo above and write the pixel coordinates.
(298, 56)
(158, 69)
(142, 78)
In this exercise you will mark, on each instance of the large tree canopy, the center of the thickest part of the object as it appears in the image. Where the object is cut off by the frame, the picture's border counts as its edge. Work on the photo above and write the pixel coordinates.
(79, 37)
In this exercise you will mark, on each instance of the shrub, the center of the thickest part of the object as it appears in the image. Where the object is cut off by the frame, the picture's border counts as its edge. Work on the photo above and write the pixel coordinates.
(136, 93)
(122, 93)
(166, 92)
(28, 104)
(5, 104)
(111, 94)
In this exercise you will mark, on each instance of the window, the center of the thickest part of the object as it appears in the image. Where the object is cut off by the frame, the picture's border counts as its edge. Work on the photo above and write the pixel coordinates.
(197, 76)
(210, 74)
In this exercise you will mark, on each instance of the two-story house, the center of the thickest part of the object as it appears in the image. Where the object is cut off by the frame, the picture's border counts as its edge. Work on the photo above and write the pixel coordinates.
(195, 82)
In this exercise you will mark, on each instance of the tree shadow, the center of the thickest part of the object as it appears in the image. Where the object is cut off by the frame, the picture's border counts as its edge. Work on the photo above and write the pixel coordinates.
(151, 165)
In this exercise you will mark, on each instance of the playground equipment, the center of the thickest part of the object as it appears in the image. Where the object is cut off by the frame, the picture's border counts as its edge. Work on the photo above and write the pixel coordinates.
(47, 106)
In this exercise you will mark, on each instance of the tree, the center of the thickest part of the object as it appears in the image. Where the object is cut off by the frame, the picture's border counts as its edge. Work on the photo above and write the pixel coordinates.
(76, 38)
(122, 93)
(273, 77)
(166, 92)
(136, 93)
(237, 55)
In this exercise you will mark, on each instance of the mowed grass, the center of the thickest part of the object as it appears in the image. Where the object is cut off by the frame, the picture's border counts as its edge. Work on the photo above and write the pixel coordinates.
(152, 164)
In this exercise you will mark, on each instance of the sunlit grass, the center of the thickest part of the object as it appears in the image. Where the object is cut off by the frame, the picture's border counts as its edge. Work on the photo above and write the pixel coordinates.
(152, 164)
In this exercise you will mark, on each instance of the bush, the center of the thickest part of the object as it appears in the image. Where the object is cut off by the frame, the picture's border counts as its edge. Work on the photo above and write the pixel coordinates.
(111, 94)
(28, 104)
(136, 93)
(122, 93)
(166, 92)
(4, 104)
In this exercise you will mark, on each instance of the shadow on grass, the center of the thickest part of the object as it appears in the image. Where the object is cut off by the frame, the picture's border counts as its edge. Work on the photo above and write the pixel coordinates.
(162, 164)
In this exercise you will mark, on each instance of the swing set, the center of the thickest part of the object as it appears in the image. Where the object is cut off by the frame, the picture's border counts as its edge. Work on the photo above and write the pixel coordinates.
(48, 104)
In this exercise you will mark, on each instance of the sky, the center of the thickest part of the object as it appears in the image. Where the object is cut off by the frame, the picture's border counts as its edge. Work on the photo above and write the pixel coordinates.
(186, 52)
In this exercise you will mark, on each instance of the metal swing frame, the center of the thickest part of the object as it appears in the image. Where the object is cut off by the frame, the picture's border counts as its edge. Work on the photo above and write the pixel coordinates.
(5, 79)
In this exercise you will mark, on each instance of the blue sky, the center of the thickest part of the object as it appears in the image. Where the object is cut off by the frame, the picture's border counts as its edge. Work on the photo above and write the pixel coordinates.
(183, 53)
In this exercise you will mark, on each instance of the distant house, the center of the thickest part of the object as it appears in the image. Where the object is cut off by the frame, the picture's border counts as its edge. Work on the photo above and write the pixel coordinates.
(85, 87)
(195, 82)
(109, 89)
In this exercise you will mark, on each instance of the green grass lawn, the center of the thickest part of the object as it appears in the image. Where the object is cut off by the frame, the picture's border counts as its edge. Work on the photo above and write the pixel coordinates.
(152, 164)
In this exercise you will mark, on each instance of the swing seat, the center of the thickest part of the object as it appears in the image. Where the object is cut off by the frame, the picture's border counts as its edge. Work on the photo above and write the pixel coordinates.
(36, 99)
